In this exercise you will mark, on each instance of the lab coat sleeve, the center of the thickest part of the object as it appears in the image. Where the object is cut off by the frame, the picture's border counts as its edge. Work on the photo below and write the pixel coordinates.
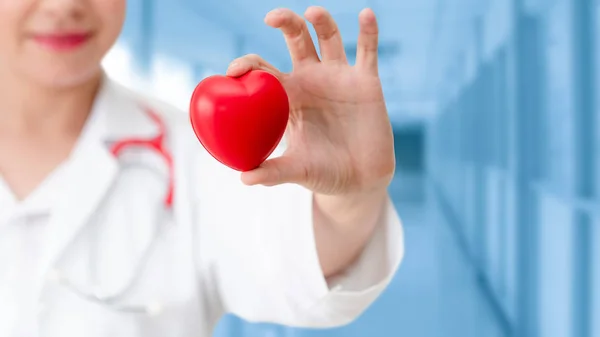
(259, 253)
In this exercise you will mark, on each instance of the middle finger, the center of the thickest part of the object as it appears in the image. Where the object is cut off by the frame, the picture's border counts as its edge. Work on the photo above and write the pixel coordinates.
(296, 34)
(330, 39)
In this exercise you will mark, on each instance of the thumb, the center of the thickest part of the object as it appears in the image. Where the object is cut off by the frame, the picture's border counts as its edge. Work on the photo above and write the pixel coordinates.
(275, 171)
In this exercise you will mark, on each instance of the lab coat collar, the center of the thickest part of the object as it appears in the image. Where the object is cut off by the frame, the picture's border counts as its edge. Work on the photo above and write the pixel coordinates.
(92, 171)
(119, 113)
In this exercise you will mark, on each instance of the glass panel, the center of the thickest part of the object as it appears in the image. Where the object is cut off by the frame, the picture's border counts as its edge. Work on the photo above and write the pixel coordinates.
(559, 98)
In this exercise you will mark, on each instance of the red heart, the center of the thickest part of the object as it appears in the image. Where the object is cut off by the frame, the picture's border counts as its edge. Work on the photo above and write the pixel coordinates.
(240, 121)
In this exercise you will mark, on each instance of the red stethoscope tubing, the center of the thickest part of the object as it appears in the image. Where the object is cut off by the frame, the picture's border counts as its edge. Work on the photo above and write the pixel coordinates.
(157, 144)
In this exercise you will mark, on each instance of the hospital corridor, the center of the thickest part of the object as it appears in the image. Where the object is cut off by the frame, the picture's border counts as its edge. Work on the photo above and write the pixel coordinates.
(497, 137)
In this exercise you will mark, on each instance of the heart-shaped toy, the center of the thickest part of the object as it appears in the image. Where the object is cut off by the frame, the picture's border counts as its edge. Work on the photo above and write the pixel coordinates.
(240, 120)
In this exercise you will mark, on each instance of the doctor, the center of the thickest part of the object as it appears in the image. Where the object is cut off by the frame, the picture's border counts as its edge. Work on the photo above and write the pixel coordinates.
(114, 221)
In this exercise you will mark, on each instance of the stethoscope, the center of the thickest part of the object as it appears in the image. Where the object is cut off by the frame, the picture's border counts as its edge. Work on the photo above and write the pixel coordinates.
(156, 144)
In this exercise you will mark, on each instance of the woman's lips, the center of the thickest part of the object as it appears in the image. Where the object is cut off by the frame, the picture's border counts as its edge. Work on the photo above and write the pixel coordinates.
(62, 41)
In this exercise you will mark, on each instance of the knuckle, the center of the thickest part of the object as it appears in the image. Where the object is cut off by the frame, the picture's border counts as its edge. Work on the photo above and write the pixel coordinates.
(371, 48)
(371, 31)
(297, 32)
(253, 59)
(275, 176)
(328, 32)
(297, 27)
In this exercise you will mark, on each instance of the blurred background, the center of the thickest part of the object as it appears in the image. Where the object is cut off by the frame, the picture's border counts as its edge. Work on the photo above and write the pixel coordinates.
(497, 134)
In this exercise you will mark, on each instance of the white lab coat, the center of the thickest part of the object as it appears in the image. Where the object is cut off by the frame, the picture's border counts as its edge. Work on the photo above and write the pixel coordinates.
(225, 248)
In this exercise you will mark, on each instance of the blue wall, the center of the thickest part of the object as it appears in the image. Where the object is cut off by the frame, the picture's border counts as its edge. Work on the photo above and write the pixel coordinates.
(514, 157)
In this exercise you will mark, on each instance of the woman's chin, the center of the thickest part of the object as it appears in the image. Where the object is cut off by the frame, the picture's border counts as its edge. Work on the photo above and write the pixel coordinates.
(63, 77)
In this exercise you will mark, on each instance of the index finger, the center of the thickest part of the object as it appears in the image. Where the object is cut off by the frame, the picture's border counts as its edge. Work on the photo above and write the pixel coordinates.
(296, 34)
(244, 64)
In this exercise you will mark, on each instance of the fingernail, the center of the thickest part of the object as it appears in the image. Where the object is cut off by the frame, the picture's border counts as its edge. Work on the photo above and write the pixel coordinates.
(232, 67)
(276, 11)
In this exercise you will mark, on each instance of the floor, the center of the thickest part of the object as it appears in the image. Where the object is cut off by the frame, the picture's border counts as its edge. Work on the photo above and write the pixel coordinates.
(434, 294)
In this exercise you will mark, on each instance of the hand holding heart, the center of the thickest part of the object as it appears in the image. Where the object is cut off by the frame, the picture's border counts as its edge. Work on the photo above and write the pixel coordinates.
(339, 136)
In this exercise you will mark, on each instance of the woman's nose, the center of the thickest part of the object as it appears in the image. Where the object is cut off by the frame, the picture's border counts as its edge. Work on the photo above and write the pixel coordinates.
(64, 9)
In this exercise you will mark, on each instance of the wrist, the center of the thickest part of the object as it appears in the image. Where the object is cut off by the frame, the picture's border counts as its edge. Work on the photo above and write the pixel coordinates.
(343, 226)
(352, 209)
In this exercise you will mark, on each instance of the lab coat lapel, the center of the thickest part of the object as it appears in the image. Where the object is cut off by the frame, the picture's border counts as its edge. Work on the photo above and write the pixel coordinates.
(93, 169)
